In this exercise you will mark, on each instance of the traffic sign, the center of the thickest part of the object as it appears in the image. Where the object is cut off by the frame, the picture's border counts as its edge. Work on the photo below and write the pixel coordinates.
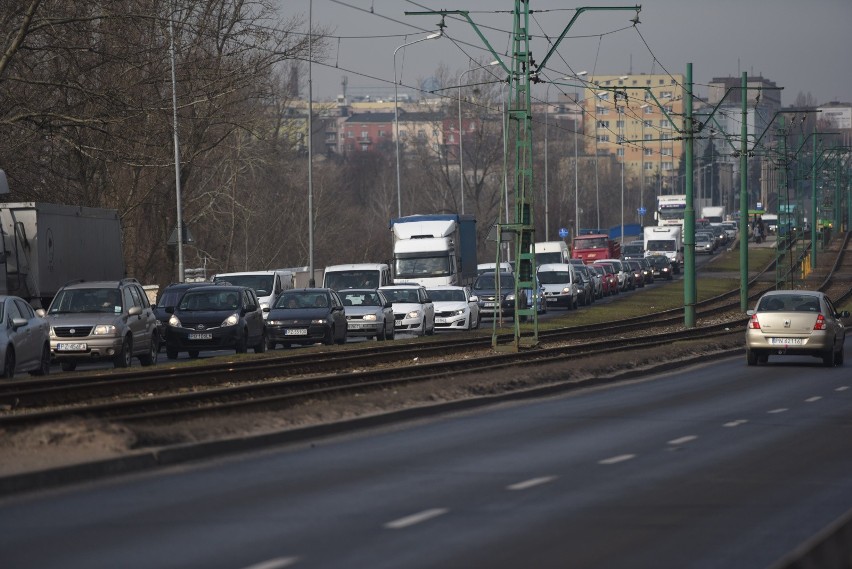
(563, 233)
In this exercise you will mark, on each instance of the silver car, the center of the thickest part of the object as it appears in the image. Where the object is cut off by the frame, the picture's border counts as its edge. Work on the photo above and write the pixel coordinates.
(24, 338)
(368, 313)
(795, 323)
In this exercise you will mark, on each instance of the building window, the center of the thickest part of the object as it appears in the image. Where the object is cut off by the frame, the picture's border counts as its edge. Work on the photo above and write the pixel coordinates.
(662, 81)
(665, 94)
(421, 134)
(666, 152)
(649, 165)
(604, 96)
(667, 166)
(648, 151)
(665, 123)
(452, 139)
(349, 134)
(382, 133)
(603, 138)
(603, 124)
(365, 147)
(602, 110)
(648, 123)
(620, 152)
(619, 124)
(365, 133)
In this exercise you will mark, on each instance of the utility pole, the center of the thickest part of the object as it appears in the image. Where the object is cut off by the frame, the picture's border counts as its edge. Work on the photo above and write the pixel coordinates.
(689, 289)
(744, 195)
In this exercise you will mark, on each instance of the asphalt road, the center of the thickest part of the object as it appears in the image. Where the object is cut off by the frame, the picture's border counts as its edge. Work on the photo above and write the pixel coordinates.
(721, 465)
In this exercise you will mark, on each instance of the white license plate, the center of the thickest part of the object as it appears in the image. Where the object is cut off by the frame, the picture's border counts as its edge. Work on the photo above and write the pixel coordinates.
(439, 320)
(296, 332)
(201, 336)
(78, 347)
(552, 299)
(786, 341)
(358, 325)
(489, 304)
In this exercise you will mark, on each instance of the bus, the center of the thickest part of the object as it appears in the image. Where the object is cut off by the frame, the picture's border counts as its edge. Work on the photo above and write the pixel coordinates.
(670, 210)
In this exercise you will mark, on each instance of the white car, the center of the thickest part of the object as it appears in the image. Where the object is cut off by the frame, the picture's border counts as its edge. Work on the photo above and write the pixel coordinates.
(413, 310)
(455, 307)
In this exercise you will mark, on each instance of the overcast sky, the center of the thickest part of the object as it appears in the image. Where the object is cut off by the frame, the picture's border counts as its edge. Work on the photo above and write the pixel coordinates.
(801, 45)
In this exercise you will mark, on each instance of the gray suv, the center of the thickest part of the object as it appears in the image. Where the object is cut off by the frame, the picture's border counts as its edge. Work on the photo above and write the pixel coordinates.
(102, 320)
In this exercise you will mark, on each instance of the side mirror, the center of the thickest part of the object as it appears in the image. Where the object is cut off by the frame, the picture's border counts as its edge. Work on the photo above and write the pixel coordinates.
(749, 312)
(40, 312)
(134, 310)
(474, 298)
(18, 323)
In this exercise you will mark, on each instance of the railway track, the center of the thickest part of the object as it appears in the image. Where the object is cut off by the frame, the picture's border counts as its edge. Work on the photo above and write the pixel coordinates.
(279, 381)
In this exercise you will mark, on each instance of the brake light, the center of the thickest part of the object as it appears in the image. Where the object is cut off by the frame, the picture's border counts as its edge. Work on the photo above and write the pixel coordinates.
(820, 322)
(753, 323)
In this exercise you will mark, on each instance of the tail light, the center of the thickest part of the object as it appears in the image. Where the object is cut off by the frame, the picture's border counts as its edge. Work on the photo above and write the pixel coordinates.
(753, 323)
(820, 322)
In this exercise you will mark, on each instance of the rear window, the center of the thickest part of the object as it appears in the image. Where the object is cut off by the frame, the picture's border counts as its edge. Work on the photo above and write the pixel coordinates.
(789, 303)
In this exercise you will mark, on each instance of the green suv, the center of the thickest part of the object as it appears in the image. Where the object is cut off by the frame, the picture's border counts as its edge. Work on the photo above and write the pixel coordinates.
(99, 320)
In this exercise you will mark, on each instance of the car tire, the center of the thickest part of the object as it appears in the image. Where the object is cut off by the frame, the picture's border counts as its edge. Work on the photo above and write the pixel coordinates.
(192, 353)
(342, 340)
(9, 363)
(150, 358)
(329, 337)
(171, 353)
(429, 331)
(838, 358)
(392, 334)
(68, 366)
(260, 347)
(124, 355)
(751, 358)
(381, 335)
(828, 359)
(270, 344)
(44, 363)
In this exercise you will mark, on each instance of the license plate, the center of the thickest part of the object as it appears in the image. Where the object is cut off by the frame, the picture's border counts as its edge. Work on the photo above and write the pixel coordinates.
(296, 332)
(441, 320)
(489, 304)
(358, 325)
(786, 341)
(201, 336)
(71, 347)
(552, 299)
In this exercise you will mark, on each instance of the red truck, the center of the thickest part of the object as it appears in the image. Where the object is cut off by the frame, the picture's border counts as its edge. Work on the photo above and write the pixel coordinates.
(590, 248)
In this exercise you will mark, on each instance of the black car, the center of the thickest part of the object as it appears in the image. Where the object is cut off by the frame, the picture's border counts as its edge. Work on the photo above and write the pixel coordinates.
(169, 297)
(306, 316)
(215, 317)
(490, 301)
(661, 265)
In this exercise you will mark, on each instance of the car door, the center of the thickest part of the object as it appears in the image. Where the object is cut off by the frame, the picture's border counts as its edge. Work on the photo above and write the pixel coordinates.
(139, 324)
(428, 309)
(20, 338)
(473, 305)
(338, 313)
(29, 352)
(253, 316)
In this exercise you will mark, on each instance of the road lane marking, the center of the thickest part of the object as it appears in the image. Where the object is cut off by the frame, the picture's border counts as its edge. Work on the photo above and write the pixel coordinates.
(736, 423)
(813, 399)
(617, 459)
(781, 410)
(531, 483)
(417, 518)
(842, 388)
(277, 563)
(683, 440)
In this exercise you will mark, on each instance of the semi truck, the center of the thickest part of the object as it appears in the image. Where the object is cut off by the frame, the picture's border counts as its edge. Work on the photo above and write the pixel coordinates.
(45, 246)
(668, 241)
(591, 248)
(434, 250)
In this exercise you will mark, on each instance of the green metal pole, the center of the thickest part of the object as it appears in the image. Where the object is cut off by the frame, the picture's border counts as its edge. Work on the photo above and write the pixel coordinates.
(813, 200)
(689, 288)
(744, 197)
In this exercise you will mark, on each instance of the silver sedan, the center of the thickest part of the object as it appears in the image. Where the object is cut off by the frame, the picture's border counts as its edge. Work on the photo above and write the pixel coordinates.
(24, 338)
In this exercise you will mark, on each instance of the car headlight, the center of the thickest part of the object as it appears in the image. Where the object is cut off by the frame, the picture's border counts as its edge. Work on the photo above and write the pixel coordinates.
(370, 317)
(318, 321)
(510, 297)
(103, 330)
(230, 320)
(174, 321)
(459, 312)
(413, 314)
(566, 290)
(52, 332)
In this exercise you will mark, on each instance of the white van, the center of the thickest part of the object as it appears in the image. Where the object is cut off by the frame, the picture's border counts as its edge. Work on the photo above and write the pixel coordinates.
(356, 275)
(492, 267)
(551, 252)
(559, 281)
(267, 285)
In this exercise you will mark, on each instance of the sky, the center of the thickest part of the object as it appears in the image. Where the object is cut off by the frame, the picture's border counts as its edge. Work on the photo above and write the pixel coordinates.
(803, 46)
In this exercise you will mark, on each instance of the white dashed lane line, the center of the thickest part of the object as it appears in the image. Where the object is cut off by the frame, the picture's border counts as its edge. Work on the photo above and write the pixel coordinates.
(532, 482)
(683, 440)
(736, 423)
(617, 459)
(842, 388)
(781, 410)
(813, 399)
(417, 518)
(277, 563)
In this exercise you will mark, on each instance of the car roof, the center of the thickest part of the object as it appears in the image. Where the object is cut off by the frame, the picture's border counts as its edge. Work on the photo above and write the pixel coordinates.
(220, 288)
(445, 287)
(98, 284)
(401, 285)
(554, 266)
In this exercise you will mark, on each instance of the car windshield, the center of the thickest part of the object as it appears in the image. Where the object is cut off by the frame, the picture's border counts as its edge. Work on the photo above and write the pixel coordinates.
(489, 282)
(361, 299)
(203, 300)
(170, 297)
(545, 258)
(788, 303)
(416, 267)
(339, 280)
(446, 295)
(262, 284)
(658, 261)
(590, 243)
(661, 245)
(80, 300)
(402, 294)
(554, 277)
(302, 299)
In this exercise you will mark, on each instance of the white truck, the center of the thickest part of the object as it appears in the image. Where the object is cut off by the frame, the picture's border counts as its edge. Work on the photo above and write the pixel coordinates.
(665, 240)
(713, 214)
(45, 246)
(267, 285)
(434, 250)
(356, 275)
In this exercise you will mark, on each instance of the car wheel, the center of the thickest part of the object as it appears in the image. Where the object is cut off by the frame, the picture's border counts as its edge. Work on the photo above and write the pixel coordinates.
(260, 347)
(329, 337)
(428, 331)
(838, 358)
(171, 353)
(150, 358)
(751, 358)
(122, 358)
(69, 366)
(381, 335)
(342, 340)
(392, 334)
(270, 344)
(828, 359)
(193, 354)
(241, 346)
(44, 363)
(9, 363)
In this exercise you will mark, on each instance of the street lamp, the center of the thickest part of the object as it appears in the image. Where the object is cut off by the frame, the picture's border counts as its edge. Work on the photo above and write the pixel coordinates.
(461, 129)
(576, 168)
(396, 115)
